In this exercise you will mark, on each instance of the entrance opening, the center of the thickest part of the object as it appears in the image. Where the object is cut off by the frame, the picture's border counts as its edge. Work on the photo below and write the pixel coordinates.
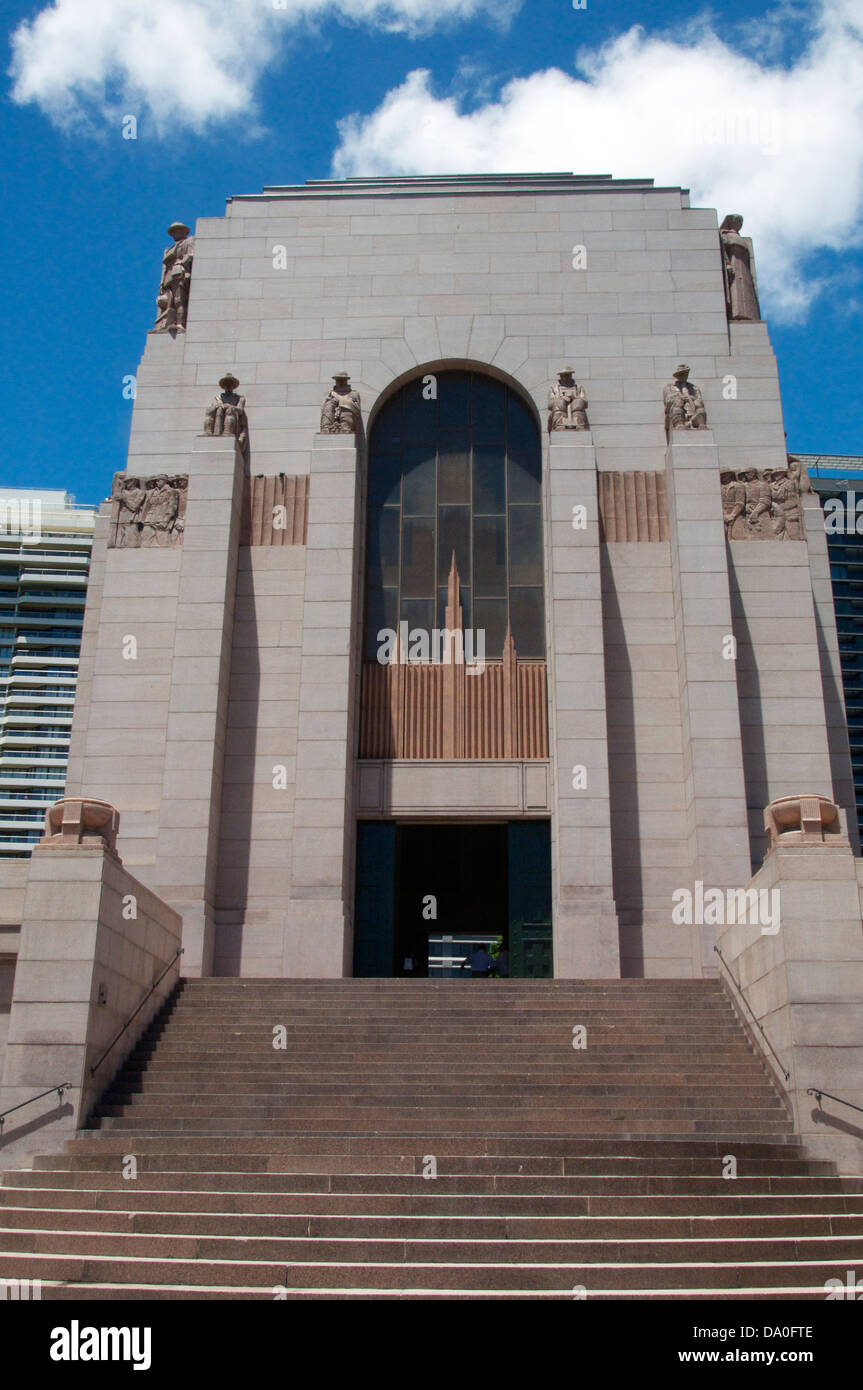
(428, 895)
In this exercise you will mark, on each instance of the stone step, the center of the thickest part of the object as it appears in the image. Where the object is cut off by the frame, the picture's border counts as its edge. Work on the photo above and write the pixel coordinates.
(503, 1275)
(101, 1293)
(204, 1162)
(569, 1090)
(380, 1122)
(425, 1203)
(396, 1249)
(576, 1146)
(437, 1227)
(576, 1185)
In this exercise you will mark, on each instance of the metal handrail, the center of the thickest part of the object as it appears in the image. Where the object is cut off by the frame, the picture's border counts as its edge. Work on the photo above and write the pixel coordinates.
(65, 1086)
(96, 1065)
(818, 1093)
(739, 988)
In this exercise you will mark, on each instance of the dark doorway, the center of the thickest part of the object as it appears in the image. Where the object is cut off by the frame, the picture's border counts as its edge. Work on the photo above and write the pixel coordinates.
(428, 894)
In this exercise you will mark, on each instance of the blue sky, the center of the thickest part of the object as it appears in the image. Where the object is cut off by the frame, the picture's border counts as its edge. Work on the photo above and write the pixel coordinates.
(757, 108)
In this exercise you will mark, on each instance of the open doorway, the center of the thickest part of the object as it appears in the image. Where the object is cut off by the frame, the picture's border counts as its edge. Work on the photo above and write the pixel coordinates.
(428, 894)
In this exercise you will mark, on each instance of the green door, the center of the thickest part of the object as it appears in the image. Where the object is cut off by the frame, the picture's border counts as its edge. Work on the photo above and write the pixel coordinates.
(374, 905)
(530, 899)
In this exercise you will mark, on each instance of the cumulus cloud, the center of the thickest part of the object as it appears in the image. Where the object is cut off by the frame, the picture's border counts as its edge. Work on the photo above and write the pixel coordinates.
(189, 62)
(781, 143)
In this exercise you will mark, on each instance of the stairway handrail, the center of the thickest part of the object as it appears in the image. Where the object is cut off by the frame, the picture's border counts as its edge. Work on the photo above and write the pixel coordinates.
(96, 1065)
(817, 1092)
(756, 1021)
(64, 1086)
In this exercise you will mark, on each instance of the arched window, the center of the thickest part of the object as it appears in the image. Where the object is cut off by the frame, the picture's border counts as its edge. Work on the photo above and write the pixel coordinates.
(455, 468)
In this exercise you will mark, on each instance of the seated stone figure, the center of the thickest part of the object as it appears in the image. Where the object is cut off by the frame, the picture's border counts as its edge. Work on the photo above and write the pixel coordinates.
(684, 403)
(567, 403)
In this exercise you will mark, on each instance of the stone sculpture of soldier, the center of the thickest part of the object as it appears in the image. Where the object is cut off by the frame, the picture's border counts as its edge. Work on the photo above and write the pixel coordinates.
(684, 403)
(786, 503)
(759, 503)
(340, 412)
(733, 505)
(160, 511)
(567, 403)
(226, 413)
(172, 300)
(739, 278)
(131, 499)
(799, 474)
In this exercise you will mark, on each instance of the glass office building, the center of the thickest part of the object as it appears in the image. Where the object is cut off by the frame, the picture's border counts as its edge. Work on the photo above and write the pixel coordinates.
(838, 481)
(45, 545)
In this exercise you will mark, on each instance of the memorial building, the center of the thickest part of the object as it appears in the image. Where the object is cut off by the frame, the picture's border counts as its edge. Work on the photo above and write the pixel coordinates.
(458, 586)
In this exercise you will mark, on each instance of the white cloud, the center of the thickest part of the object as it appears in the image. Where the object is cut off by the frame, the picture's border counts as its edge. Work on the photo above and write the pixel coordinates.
(782, 145)
(187, 62)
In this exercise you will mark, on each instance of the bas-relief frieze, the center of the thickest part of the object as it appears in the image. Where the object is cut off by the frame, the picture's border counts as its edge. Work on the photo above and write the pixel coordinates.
(147, 511)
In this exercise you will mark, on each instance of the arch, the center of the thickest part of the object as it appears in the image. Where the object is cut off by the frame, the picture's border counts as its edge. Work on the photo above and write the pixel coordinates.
(450, 364)
(454, 544)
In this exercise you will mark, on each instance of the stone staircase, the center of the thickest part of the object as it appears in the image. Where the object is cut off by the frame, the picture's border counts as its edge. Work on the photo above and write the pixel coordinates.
(306, 1172)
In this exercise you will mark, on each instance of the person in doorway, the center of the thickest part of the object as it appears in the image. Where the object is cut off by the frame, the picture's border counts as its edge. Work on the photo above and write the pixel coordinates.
(503, 963)
(479, 961)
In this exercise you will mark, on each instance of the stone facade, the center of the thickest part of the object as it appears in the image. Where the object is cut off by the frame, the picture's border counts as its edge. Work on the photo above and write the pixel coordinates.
(687, 672)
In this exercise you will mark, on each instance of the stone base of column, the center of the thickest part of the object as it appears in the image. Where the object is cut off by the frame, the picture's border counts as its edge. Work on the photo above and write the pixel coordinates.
(586, 936)
(199, 935)
(316, 941)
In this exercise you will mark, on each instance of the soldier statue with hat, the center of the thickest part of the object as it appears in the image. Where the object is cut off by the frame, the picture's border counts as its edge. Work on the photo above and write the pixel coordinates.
(684, 403)
(567, 403)
(226, 413)
(340, 412)
(172, 300)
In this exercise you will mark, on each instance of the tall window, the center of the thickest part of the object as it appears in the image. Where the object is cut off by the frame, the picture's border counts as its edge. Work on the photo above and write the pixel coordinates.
(457, 473)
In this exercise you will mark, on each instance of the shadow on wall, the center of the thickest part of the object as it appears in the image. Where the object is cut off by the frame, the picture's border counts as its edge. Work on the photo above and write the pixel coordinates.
(837, 738)
(238, 784)
(834, 1122)
(23, 1129)
(627, 874)
(751, 733)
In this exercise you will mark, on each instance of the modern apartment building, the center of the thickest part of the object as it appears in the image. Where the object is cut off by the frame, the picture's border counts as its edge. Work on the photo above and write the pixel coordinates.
(45, 544)
(838, 482)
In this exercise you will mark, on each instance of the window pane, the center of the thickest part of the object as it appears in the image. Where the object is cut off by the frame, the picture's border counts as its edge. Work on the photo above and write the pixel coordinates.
(381, 612)
(389, 424)
(460, 474)
(418, 557)
(528, 623)
(521, 429)
(489, 616)
(382, 565)
(453, 390)
(489, 476)
(489, 405)
(418, 614)
(525, 476)
(464, 596)
(418, 494)
(385, 478)
(453, 535)
(489, 556)
(454, 466)
(420, 425)
(525, 545)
